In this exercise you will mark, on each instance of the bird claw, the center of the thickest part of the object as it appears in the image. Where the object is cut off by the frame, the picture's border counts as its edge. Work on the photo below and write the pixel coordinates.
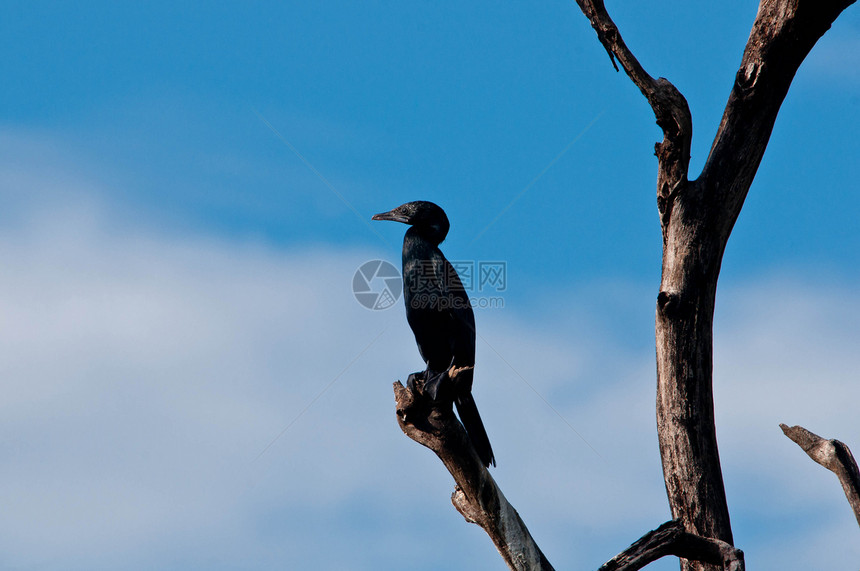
(415, 382)
(419, 383)
(434, 385)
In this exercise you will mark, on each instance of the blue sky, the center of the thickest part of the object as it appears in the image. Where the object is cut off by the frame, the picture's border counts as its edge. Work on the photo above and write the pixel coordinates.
(187, 193)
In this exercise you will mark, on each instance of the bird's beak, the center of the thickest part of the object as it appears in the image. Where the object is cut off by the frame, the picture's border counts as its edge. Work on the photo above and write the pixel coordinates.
(390, 215)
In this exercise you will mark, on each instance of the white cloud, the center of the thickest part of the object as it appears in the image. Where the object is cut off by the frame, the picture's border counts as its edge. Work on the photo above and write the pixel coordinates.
(786, 353)
(142, 373)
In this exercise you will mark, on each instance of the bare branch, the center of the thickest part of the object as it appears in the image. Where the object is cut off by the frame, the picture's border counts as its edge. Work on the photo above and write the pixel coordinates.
(833, 455)
(782, 36)
(669, 106)
(476, 496)
(697, 217)
(671, 539)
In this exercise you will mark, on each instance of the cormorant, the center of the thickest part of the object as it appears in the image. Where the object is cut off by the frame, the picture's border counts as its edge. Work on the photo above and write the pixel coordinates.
(440, 315)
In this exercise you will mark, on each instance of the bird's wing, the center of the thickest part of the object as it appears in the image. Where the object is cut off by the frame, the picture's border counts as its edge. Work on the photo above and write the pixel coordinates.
(461, 318)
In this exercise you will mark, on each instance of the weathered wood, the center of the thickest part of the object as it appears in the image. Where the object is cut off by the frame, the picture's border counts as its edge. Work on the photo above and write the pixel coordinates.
(476, 496)
(833, 455)
(671, 539)
(696, 219)
(670, 107)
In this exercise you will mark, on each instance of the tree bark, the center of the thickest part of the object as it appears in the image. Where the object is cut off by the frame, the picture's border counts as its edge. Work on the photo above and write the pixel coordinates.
(476, 496)
(696, 219)
(671, 539)
(833, 455)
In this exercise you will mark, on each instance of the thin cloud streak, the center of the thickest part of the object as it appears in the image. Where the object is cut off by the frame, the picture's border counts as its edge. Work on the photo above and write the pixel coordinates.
(541, 397)
(319, 394)
(537, 177)
(307, 163)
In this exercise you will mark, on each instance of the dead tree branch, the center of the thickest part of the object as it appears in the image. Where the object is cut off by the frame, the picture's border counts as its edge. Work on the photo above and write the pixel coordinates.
(833, 455)
(697, 218)
(476, 495)
(669, 106)
(671, 539)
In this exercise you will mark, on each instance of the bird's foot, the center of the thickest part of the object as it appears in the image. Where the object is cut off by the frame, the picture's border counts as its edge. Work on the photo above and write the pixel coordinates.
(435, 386)
(461, 378)
(415, 382)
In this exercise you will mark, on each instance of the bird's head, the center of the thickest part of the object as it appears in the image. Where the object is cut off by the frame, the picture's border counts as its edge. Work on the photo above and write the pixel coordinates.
(428, 219)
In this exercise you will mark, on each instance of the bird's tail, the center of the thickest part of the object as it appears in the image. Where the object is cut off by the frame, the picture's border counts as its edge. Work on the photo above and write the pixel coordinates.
(470, 418)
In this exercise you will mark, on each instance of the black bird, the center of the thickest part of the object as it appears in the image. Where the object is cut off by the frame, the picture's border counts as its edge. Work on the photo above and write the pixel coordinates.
(440, 315)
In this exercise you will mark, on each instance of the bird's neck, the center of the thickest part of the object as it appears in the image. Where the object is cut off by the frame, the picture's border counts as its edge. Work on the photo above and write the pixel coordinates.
(424, 235)
(417, 246)
(433, 234)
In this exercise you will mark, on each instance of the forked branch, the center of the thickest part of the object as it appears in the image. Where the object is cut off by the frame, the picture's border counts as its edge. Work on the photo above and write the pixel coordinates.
(669, 106)
(671, 539)
(833, 455)
(697, 217)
